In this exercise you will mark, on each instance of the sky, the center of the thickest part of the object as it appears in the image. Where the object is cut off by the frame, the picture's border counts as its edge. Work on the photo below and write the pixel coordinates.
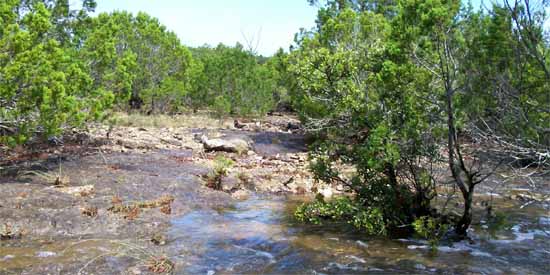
(268, 24)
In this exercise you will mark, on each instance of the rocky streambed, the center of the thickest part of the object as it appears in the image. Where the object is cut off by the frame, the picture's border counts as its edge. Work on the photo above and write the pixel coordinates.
(137, 203)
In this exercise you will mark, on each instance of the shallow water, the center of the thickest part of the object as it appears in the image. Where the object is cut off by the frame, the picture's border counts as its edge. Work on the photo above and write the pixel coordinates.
(259, 236)
(216, 235)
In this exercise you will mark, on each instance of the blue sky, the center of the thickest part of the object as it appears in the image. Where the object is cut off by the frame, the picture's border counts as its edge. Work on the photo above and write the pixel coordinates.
(272, 23)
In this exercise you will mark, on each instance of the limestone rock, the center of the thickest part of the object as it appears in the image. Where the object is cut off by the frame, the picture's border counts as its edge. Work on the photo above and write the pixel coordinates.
(77, 190)
(230, 184)
(241, 194)
(225, 144)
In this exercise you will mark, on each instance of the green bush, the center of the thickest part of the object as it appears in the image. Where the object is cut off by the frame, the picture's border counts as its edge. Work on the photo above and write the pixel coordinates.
(221, 166)
(344, 209)
(235, 75)
(221, 106)
(44, 88)
(137, 58)
(431, 229)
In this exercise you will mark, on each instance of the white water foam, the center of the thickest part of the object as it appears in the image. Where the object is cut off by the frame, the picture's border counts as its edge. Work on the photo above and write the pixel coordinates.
(357, 259)
(258, 252)
(44, 254)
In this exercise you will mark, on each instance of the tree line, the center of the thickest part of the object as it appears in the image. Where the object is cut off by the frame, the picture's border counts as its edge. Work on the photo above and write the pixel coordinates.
(61, 67)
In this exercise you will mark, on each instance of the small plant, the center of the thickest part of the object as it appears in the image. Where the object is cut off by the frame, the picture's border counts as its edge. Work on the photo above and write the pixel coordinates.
(497, 222)
(221, 166)
(56, 179)
(431, 229)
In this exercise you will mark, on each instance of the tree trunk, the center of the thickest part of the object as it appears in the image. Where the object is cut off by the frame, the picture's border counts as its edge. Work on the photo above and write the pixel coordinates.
(135, 102)
(464, 223)
(456, 164)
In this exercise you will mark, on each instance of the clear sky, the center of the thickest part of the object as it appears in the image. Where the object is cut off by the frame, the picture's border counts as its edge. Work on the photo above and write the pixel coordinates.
(270, 23)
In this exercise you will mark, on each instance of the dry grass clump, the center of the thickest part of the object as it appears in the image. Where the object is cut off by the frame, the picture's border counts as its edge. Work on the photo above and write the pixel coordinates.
(152, 262)
(160, 265)
(90, 211)
(196, 120)
(56, 179)
(162, 201)
(131, 210)
(166, 209)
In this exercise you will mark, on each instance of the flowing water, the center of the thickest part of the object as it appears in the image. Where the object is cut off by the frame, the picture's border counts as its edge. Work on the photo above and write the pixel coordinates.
(259, 236)
(216, 235)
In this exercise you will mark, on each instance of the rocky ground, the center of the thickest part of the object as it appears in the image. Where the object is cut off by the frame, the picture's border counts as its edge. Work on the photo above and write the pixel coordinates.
(114, 190)
(119, 186)
(273, 159)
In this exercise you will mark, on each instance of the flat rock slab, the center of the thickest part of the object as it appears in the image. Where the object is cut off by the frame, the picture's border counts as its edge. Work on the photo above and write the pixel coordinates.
(232, 144)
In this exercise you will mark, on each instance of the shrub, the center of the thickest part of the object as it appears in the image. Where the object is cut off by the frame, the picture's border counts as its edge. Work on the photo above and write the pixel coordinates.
(431, 229)
(221, 166)
(343, 209)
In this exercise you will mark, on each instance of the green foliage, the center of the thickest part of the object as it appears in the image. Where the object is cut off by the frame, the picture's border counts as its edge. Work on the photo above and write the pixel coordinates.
(221, 166)
(383, 87)
(353, 96)
(431, 229)
(343, 209)
(60, 67)
(139, 60)
(221, 106)
(507, 92)
(498, 222)
(43, 85)
(279, 65)
(234, 74)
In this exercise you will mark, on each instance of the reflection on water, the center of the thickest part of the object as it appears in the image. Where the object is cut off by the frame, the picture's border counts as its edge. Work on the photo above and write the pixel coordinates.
(259, 236)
